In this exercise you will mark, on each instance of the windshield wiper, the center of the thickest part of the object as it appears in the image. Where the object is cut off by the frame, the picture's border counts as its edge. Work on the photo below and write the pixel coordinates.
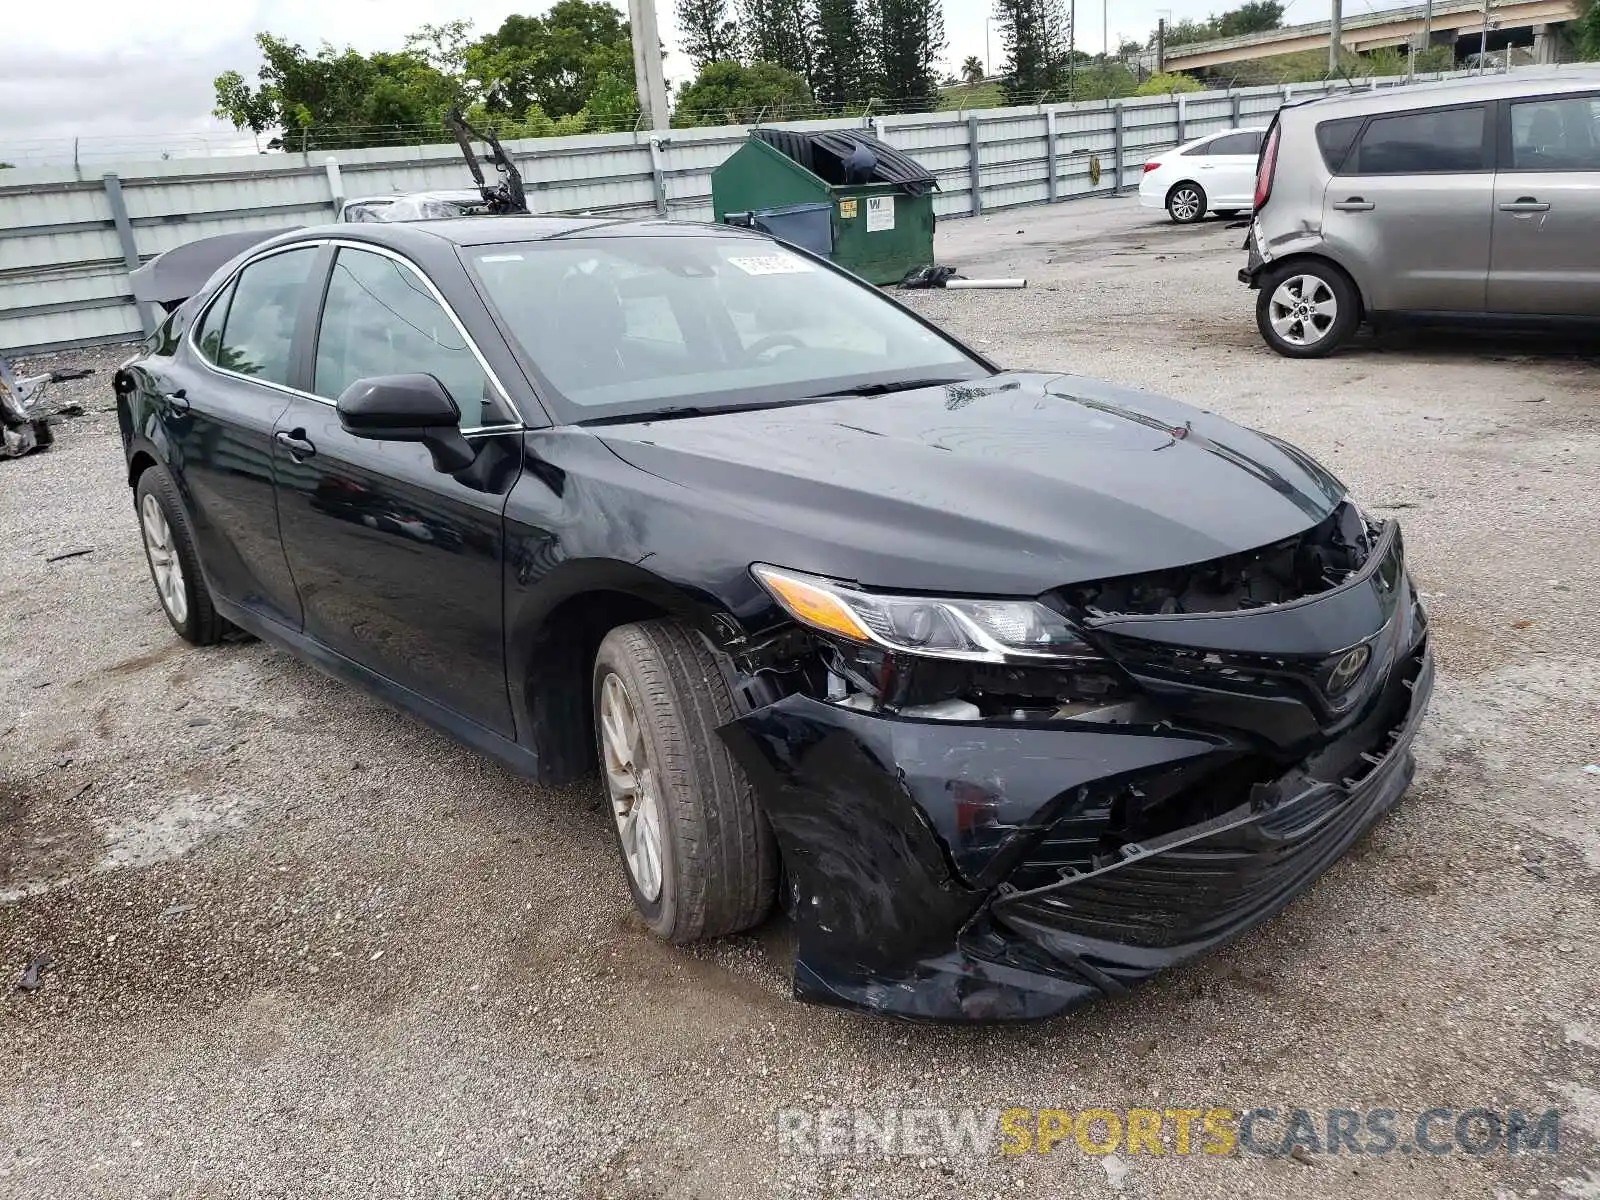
(882, 389)
(688, 410)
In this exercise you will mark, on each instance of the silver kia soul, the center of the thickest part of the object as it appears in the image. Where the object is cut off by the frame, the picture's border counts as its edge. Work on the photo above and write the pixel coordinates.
(1472, 199)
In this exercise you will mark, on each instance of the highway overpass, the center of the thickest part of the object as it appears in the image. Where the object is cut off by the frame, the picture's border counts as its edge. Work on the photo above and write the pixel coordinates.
(1525, 23)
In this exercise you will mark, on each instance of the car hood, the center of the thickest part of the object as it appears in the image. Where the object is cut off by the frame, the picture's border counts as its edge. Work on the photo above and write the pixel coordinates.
(1012, 484)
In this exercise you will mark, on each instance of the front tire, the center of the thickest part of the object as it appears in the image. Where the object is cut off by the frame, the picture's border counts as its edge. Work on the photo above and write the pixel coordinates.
(1307, 309)
(174, 565)
(697, 851)
(1186, 203)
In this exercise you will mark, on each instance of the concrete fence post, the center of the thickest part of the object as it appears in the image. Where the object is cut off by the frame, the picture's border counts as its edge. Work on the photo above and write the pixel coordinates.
(130, 248)
(1234, 97)
(335, 185)
(974, 168)
(1116, 185)
(1183, 119)
(658, 175)
(1050, 154)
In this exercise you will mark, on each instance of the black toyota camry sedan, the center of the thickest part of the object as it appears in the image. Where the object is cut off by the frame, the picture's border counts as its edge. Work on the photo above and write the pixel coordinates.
(1014, 687)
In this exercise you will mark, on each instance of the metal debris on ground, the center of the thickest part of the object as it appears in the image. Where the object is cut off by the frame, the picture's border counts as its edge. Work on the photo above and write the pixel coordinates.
(946, 277)
(38, 964)
(24, 413)
(66, 554)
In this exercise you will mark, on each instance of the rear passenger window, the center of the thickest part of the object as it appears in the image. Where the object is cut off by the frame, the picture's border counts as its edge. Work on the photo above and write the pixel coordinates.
(1556, 134)
(1334, 139)
(1432, 142)
(209, 335)
(258, 332)
(1237, 143)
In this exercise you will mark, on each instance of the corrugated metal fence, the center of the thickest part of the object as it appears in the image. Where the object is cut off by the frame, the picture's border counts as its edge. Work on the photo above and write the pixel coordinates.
(69, 237)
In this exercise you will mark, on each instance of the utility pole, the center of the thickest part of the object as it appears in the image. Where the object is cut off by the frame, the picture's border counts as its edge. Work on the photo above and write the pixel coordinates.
(1335, 37)
(1072, 49)
(1483, 40)
(1161, 44)
(987, 70)
(648, 80)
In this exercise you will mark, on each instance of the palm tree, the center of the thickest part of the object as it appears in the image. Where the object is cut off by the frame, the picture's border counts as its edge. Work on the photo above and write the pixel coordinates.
(972, 69)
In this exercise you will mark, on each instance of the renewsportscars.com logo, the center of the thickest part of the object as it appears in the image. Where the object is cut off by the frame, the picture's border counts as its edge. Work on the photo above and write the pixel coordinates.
(1215, 1130)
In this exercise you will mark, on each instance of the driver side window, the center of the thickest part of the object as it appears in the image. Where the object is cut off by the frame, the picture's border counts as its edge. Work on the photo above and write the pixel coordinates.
(381, 319)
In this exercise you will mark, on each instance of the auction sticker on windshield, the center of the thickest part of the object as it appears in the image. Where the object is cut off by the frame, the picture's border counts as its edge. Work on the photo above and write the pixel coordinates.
(771, 264)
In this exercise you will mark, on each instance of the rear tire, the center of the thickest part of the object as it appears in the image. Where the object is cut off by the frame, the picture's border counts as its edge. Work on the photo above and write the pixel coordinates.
(174, 565)
(1186, 202)
(712, 869)
(1307, 309)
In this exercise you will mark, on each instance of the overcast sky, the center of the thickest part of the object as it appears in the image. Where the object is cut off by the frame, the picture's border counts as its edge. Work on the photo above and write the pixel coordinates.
(128, 78)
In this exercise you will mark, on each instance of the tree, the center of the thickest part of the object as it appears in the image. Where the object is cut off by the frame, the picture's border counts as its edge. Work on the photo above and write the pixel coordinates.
(905, 40)
(1035, 35)
(844, 68)
(613, 102)
(443, 47)
(729, 93)
(783, 33)
(972, 69)
(1254, 16)
(555, 61)
(336, 98)
(1185, 32)
(710, 34)
(1585, 31)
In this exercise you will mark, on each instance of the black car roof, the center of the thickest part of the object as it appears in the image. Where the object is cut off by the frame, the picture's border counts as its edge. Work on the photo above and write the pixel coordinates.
(485, 231)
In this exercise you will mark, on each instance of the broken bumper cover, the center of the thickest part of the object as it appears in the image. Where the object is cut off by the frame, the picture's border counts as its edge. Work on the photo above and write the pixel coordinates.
(951, 871)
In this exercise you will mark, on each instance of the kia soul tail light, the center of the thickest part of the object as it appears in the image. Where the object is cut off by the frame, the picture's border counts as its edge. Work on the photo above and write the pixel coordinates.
(1266, 165)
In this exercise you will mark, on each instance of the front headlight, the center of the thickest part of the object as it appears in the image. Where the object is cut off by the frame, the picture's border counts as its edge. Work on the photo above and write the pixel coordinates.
(974, 630)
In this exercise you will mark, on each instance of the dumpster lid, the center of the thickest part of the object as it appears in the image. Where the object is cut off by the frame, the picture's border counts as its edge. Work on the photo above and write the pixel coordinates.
(824, 152)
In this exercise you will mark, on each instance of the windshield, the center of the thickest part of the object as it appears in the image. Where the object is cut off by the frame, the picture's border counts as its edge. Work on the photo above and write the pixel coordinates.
(624, 325)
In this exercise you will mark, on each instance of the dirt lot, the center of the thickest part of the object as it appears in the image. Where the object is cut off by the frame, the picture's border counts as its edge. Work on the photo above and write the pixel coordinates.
(304, 946)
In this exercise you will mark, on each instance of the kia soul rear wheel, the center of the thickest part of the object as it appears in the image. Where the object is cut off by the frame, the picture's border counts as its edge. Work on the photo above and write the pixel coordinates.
(696, 849)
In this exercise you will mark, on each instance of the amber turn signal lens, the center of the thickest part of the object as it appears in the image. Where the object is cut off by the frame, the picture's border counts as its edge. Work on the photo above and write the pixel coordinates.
(812, 606)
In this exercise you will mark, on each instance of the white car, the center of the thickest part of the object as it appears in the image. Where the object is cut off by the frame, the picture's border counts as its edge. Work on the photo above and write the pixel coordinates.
(1216, 173)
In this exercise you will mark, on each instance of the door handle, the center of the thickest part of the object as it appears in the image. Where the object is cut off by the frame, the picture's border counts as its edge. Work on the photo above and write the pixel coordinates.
(1354, 204)
(178, 399)
(298, 445)
(1525, 204)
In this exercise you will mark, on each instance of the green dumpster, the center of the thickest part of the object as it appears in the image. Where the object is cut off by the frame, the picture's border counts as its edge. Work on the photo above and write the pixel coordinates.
(880, 201)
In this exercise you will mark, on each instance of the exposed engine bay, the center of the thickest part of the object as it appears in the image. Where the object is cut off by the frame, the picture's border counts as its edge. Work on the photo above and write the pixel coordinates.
(1307, 564)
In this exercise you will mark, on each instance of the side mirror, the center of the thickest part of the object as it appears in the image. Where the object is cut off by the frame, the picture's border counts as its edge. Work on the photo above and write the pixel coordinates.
(407, 408)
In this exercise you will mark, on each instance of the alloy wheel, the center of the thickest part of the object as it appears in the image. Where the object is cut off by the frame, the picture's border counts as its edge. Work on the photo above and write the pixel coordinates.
(1302, 310)
(1185, 204)
(632, 786)
(165, 565)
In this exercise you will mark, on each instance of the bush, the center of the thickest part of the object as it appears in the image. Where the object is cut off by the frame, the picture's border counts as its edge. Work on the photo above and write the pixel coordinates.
(1166, 83)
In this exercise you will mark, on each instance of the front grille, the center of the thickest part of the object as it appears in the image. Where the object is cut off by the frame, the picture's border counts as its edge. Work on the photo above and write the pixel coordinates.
(1194, 885)
(1201, 889)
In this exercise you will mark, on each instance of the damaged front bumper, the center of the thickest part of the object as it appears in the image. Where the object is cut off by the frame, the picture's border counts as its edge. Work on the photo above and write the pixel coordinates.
(951, 870)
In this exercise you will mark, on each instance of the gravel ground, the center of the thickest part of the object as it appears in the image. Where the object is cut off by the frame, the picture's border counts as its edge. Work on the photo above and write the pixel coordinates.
(303, 945)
